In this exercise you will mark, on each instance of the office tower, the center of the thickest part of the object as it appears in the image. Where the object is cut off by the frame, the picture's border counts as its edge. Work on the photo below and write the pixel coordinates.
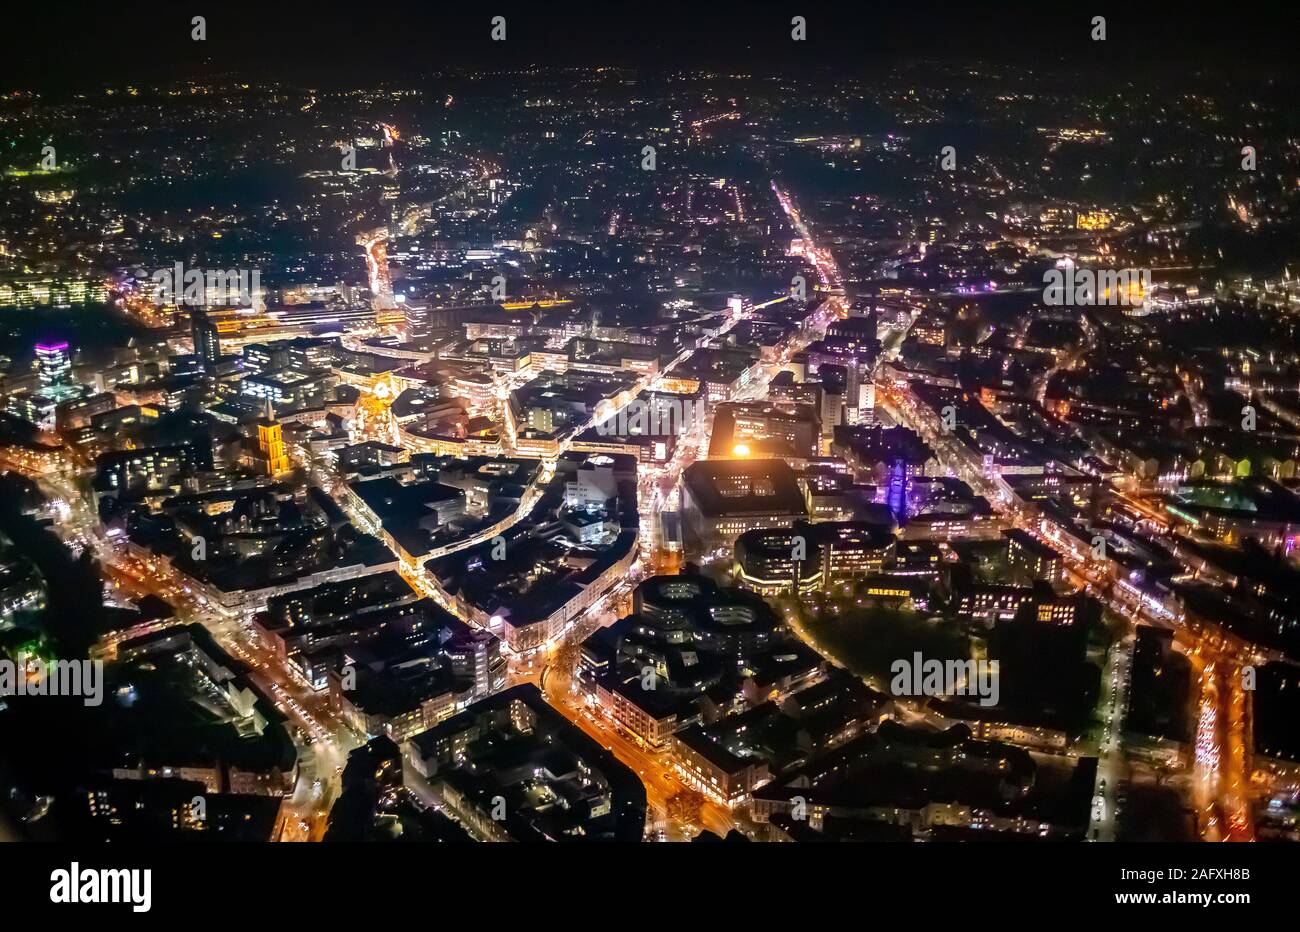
(207, 341)
(54, 366)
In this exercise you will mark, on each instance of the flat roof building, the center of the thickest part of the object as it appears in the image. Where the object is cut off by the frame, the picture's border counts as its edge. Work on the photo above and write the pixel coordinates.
(722, 499)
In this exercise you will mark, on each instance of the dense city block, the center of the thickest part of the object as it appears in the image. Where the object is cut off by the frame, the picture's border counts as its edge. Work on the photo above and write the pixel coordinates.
(650, 450)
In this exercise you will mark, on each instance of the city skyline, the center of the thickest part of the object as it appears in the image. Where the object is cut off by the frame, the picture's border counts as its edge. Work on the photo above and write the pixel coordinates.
(752, 424)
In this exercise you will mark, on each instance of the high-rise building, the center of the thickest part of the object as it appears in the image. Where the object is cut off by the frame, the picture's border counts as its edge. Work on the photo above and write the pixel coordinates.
(834, 385)
(417, 321)
(207, 339)
(867, 403)
(53, 366)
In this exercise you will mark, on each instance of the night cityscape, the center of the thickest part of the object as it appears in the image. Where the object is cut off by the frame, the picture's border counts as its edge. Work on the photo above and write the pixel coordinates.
(790, 425)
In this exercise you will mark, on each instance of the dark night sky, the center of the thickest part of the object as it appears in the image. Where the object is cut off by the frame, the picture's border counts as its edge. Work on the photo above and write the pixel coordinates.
(60, 46)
